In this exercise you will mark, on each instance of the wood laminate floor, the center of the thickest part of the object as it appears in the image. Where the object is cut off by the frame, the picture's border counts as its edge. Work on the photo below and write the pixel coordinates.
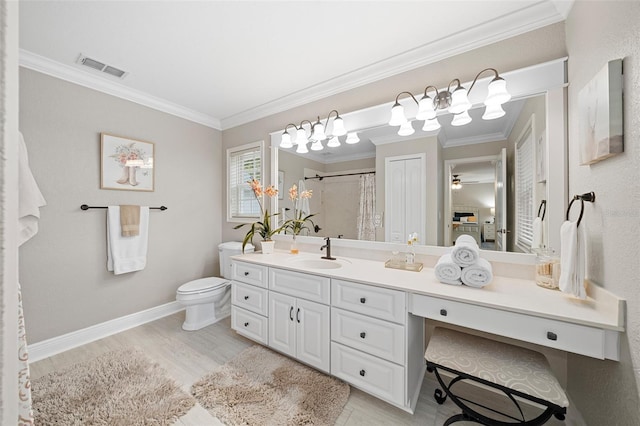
(187, 356)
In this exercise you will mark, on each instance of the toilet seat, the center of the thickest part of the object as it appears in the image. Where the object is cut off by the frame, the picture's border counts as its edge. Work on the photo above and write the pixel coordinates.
(203, 285)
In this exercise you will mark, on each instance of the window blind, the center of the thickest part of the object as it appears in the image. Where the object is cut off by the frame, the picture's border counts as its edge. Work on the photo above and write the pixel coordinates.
(243, 165)
(524, 192)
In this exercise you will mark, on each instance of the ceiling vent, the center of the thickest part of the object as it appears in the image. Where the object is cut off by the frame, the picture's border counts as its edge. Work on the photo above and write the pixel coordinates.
(100, 66)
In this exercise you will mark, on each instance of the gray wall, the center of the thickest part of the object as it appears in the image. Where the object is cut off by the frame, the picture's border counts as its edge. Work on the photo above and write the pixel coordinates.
(63, 272)
(606, 392)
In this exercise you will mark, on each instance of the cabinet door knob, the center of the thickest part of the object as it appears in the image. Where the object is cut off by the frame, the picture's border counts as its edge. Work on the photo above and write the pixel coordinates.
(362, 300)
(363, 334)
(551, 335)
(362, 373)
(246, 273)
(443, 312)
(246, 324)
(246, 298)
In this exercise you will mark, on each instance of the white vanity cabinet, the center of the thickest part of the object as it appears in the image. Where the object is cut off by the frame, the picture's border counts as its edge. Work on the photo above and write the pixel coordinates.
(249, 295)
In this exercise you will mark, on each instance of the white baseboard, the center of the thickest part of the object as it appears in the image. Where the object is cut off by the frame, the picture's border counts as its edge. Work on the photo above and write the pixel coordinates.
(56, 345)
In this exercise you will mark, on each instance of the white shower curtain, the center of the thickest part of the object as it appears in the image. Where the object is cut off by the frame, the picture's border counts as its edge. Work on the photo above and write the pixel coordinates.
(366, 212)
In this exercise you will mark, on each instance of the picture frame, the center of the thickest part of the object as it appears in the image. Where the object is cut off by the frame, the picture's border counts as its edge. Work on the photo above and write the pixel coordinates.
(126, 164)
(280, 185)
(601, 115)
(541, 161)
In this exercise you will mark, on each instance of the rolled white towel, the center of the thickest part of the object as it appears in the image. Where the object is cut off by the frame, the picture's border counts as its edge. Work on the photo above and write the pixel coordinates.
(466, 251)
(447, 271)
(478, 275)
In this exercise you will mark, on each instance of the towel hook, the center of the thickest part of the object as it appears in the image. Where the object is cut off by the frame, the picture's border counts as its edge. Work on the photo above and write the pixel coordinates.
(543, 203)
(588, 196)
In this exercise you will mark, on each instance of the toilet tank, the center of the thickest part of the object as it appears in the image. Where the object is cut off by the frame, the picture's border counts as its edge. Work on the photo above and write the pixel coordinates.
(228, 249)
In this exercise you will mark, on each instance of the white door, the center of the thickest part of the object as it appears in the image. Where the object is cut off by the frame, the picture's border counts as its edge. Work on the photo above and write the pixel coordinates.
(282, 324)
(501, 202)
(405, 197)
(312, 334)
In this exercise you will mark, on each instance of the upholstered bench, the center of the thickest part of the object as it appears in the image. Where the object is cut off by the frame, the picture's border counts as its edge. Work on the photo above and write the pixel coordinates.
(517, 372)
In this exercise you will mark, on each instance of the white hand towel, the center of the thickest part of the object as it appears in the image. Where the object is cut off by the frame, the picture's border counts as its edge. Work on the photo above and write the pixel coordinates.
(30, 198)
(466, 251)
(477, 275)
(126, 254)
(572, 259)
(538, 234)
(447, 271)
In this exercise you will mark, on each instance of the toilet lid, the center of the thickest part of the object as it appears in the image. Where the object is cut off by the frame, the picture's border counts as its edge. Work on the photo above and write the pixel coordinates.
(201, 285)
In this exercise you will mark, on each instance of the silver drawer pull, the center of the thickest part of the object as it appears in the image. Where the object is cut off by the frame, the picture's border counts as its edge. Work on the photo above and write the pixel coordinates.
(363, 334)
(246, 273)
(362, 373)
(246, 324)
(551, 335)
(362, 300)
(443, 312)
(246, 298)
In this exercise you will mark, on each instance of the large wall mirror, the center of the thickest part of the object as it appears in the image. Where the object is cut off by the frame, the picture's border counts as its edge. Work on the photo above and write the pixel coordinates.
(439, 184)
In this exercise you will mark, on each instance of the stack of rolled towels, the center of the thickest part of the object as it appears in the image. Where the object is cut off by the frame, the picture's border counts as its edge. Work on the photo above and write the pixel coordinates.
(463, 265)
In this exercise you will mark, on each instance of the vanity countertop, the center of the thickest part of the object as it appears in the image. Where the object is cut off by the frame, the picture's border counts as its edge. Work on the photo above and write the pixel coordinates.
(605, 311)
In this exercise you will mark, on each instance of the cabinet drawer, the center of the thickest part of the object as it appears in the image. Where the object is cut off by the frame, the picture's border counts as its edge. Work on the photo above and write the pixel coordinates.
(373, 375)
(249, 273)
(305, 286)
(249, 324)
(250, 297)
(380, 338)
(377, 302)
(557, 334)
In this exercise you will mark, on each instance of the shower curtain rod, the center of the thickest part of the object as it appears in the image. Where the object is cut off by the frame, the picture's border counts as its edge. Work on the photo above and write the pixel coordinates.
(345, 174)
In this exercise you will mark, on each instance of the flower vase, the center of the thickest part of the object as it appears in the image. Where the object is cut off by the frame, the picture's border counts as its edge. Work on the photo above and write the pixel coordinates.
(268, 246)
(294, 245)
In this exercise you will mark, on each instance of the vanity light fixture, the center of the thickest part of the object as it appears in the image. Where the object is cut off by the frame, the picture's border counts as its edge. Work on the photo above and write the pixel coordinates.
(455, 100)
(317, 135)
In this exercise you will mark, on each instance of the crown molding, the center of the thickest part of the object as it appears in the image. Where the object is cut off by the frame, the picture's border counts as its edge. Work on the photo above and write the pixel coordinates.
(80, 77)
(536, 16)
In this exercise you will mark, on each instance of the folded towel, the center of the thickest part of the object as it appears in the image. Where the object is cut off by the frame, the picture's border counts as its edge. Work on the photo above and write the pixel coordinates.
(130, 220)
(466, 251)
(478, 275)
(30, 198)
(447, 271)
(126, 254)
(538, 234)
(572, 259)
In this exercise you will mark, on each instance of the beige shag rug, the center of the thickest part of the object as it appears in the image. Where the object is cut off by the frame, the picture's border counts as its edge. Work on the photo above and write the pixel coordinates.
(261, 387)
(117, 388)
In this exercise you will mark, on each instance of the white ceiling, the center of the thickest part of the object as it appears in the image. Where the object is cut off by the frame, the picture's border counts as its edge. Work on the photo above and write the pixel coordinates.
(224, 63)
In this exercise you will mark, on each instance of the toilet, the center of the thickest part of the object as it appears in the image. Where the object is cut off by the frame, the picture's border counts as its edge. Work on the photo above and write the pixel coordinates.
(207, 300)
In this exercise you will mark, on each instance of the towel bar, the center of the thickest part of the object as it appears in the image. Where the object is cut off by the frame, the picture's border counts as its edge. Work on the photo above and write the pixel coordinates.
(86, 207)
(588, 196)
(543, 203)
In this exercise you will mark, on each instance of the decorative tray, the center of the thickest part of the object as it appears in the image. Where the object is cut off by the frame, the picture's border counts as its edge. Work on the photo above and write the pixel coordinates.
(415, 267)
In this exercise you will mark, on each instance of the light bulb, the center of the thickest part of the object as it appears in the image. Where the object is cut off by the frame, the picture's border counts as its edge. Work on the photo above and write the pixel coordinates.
(459, 101)
(317, 146)
(492, 112)
(426, 109)
(406, 129)
(285, 141)
(352, 138)
(461, 119)
(431, 125)
(301, 137)
(397, 115)
(497, 94)
(334, 142)
(318, 131)
(338, 127)
(302, 148)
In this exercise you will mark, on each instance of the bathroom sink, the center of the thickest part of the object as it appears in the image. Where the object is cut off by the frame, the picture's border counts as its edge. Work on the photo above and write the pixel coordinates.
(318, 263)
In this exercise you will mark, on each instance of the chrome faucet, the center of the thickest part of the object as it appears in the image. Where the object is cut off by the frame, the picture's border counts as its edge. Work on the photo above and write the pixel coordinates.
(328, 247)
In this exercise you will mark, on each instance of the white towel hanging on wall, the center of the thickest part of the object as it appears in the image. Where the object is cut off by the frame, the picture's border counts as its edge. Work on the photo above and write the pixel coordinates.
(30, 197)
(126, 254)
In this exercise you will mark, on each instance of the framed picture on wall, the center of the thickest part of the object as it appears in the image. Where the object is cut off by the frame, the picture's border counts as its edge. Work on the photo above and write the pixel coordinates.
(600, 115)
(126, 164)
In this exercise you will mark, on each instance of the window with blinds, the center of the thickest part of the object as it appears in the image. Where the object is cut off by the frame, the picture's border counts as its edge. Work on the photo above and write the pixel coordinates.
(243, 164)
(524, 188)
